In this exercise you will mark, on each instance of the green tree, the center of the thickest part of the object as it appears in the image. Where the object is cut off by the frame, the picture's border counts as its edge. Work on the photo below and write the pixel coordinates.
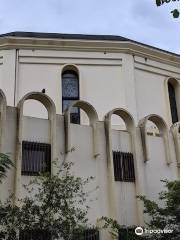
(54, 204)
(5, 164)
(175, 12)
(166, 216)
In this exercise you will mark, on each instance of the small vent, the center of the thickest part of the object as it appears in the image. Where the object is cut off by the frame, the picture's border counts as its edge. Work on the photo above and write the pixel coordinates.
(123, 166)
(36, 158)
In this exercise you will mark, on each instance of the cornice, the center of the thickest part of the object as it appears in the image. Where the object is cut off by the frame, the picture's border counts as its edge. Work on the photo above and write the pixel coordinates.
(128, 47)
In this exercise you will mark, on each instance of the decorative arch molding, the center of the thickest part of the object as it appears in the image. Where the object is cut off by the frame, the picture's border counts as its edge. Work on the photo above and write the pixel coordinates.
(51, 109)
(70, 67)
(3, 105)
(176, 84)
(163, 129)
(93, 119)
(130, 126)
(175, 130)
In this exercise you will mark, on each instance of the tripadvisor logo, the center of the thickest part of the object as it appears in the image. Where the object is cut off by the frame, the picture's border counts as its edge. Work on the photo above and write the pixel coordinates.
(139, 231)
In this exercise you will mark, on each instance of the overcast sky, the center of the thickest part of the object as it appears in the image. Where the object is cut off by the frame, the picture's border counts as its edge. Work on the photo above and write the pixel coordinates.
(139, 20)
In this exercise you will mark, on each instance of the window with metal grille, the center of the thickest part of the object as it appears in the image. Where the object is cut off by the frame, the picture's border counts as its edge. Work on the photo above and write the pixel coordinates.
(70, 93)
(172, 100)
(123, 166)
(89, 234)
(34, 235)
(36, 158)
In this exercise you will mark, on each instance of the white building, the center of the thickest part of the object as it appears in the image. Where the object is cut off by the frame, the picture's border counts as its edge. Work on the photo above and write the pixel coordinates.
(130, 93)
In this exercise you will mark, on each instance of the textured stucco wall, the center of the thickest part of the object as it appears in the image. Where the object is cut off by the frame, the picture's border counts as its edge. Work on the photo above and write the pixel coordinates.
(86, 165)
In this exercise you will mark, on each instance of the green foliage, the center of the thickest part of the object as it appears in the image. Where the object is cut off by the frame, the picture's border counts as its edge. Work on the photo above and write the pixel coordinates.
(166, 216)
(174, 12)
(55, 204)
(115, 229)
(5, 164)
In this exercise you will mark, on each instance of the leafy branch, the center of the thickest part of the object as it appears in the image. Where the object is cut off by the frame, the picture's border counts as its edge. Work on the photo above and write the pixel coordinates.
(175, 12)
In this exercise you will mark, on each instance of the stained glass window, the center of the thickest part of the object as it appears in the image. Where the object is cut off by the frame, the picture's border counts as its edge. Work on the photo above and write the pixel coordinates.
(172, 100)
(70, 93)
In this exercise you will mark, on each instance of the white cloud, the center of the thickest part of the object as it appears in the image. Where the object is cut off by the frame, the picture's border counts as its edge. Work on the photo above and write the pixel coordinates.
(140, 20)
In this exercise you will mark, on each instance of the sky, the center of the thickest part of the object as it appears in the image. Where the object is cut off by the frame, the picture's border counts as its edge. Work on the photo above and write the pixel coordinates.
(138, 20)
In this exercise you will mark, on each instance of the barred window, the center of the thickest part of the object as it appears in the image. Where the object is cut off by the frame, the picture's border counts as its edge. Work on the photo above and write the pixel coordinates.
(34, 235)
(70, 93)
(123, 166)
(36, 158)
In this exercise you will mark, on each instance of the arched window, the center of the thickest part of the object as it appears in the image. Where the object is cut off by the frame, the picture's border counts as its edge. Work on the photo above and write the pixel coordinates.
(172, 100)
(70, 93)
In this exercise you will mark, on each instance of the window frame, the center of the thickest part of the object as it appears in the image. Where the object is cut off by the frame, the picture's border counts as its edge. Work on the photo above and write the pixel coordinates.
(176, 84)
(26, 169)
(172, 102)
(68, 71)
(123, 163)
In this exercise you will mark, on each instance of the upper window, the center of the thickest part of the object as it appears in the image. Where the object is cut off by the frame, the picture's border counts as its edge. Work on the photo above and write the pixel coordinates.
(70, 93)
(172, 100)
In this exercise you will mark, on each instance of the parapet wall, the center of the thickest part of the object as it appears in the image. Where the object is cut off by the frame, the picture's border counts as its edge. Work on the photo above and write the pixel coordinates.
(91, 149)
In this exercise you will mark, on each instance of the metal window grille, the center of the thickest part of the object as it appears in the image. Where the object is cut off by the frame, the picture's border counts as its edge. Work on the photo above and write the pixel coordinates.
(89, 234)
(34, 235)
(123, 166)
(36, 158)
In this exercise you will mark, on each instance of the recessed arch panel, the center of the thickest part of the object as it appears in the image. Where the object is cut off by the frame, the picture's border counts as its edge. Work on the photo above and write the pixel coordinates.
(93, 119)
(129, 122)
(50, 106)
(130, 126)
(163, 130)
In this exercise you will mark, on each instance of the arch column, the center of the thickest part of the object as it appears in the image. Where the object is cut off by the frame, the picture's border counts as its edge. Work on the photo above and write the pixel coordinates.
(93, 119)
(130, 125)
(175, 130)
(50, 106)
(162, 126)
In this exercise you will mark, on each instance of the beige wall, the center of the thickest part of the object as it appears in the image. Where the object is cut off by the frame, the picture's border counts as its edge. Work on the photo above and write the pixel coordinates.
(107, 80)
(125, 203)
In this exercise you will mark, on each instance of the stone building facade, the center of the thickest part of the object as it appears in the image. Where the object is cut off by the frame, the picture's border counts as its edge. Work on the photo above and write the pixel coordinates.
(113, 100)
